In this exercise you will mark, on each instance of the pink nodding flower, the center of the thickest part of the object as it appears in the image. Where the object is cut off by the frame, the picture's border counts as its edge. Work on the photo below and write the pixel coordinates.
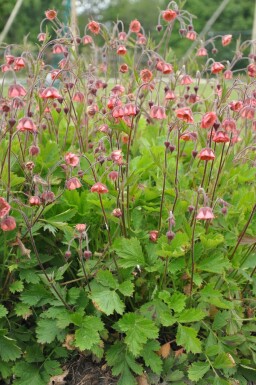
(185, 114)
(170, 95)
(8, 224)
(94, 27)
(202, 52)
(113, 175)
(208, 119)
(87, 39)
(236, 105)
(73, 183)
(9, 59)
(4, 207)
(16, 90)
(146, 75)
(26, 124)
(121, 50)
(71, 159)
(167, 68)
(229, 125)
(251, 69)
(220, 137)
(135, 26)
(189, 135)
(205, 213)
(153, 235)
(117, 157)
(191, 35)
(186, 80)
(123, 68)
(50, 93)
(217, 67)
(51, 14)
(41, 36)
(206, 154)
(80, 227)
(48, 197)
(228, 74)
(58, 49)
(78, 97)
(226, 40)
(35, 201)
(19, 63)
(169, 15)
(118, 112)
(141, 39)
(130, 109)
(118, 90)
(157, 112)
(99, 188)
(122, 36)
(247, 112)
(5, 67)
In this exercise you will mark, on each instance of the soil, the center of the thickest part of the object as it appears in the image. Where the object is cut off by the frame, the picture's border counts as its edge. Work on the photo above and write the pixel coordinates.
(83, 371)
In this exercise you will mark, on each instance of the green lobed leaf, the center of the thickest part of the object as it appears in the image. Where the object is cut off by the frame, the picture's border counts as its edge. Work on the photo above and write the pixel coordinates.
(3, 311)
(88, 334)
(191, 315)
(224, 361)
(151, 358)
(9, 351)
(126, 288)
(27, 374)
(123, 363)
(187, 337)
(138, 330)
(129, 252)
(197, 370)
(106, 278)
(47, 330)
(176, 301)
(106, 300)
(16, 287)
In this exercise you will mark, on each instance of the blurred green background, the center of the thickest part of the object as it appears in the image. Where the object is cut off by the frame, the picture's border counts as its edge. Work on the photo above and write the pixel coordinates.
(236, 18)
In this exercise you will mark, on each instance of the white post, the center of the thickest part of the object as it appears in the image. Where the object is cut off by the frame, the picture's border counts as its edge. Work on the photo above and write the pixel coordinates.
(10, 20)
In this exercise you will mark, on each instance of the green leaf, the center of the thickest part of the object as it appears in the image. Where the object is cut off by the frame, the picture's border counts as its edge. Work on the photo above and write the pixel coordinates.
(214, 264)
(177, 301)
(191, 315)
(5, 370)
(27, 374)
(36, 295)
(106, 300)
(22, 310)
(47, 330)
(151, 358)
(16, 286)
(106, 278)
(138, 330)
(224, 361)
(129, 252)
(187, 337)
(211, 240)
(197, 370)
(88, 334)
(3, 311)
(9, 351)
(123, 364)
(126, 288)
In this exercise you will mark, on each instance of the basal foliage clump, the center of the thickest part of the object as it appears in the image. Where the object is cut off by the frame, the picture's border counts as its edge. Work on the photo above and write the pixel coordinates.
(127, 207)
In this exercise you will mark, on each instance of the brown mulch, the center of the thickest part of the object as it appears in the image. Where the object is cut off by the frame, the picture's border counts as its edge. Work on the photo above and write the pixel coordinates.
(83, 371)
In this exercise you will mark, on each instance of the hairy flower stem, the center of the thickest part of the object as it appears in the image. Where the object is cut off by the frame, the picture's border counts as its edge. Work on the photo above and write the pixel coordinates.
(40, 263)
(243, 232)
(9, 166)
(163, 189)
(176, 182)
(218, 175)
(82, 263)
(192, 248)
